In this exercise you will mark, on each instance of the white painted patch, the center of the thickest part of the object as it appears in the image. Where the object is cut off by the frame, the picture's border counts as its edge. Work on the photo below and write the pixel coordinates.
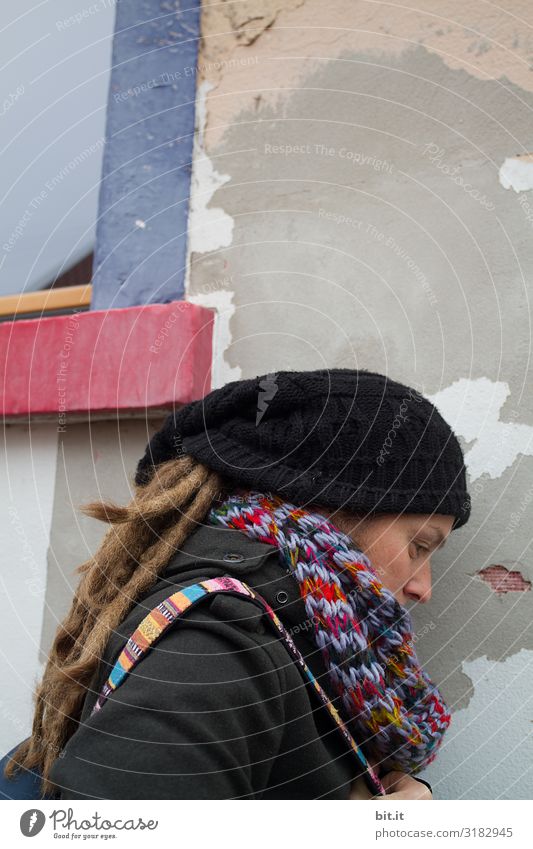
(209, 228)
(517, 173)
(222, 302)
(28, 471)
(486, 752)
(472, 408)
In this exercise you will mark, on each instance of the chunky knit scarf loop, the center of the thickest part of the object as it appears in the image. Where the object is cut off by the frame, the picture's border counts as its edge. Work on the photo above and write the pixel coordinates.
(365, 635)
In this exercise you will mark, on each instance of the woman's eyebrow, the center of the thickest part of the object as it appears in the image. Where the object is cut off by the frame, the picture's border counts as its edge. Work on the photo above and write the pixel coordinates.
(434, 531)
(440, 536)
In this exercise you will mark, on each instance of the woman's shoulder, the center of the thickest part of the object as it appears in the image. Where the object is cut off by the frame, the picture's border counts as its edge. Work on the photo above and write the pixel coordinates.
(224, 638)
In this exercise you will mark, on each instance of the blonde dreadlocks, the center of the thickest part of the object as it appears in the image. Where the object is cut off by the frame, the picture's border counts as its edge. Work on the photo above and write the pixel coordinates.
(133, 553)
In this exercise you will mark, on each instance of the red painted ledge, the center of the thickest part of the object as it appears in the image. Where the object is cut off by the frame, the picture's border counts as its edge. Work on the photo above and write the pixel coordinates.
(132, 359)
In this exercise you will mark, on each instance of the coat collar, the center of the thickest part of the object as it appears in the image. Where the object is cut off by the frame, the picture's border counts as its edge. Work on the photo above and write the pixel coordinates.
(213, 549)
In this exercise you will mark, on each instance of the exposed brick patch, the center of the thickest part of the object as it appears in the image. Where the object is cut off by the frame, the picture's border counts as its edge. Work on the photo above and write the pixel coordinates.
(502, 580)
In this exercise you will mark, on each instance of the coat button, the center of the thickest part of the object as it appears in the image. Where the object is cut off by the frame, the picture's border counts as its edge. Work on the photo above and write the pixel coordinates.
(282, 597)
(233, 556)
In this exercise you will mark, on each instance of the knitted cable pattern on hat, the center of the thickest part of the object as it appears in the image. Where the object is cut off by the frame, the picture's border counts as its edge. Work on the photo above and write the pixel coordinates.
(364, 634)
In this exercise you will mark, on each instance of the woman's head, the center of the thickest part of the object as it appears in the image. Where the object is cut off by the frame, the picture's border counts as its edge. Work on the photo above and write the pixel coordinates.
(352, 441)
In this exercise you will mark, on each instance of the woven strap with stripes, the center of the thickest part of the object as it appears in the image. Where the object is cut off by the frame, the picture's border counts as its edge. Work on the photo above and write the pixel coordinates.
(156, 622)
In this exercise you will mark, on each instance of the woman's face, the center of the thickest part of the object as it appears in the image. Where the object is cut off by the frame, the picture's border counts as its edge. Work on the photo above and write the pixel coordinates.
(399, 547)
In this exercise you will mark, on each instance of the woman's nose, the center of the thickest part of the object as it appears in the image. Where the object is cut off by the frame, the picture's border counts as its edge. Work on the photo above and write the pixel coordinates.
(418, 587)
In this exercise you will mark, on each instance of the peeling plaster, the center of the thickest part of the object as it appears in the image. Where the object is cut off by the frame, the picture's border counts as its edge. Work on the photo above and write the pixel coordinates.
(251, 19)
(291, 37)
(222, 302)
(472, 408)
(227, 26)
(517, 173)
(210, 228)
(486, 752)
(503, 580)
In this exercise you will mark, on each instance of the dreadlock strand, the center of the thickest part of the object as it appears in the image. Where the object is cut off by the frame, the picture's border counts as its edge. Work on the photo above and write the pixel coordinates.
(110, 569)
(152, 563)
(160, 487)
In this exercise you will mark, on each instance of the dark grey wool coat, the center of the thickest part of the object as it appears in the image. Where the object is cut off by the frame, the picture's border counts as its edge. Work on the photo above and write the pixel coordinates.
(217, 709)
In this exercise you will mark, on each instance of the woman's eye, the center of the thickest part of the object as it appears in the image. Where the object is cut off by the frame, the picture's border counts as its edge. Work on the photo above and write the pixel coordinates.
(419, 549)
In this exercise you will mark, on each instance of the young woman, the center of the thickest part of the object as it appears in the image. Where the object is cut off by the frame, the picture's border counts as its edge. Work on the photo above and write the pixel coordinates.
(325, 492)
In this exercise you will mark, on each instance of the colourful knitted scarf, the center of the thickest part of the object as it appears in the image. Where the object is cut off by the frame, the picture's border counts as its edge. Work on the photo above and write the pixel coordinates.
(365, 635)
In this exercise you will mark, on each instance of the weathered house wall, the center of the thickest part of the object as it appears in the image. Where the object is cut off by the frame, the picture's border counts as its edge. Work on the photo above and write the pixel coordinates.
(362, 198)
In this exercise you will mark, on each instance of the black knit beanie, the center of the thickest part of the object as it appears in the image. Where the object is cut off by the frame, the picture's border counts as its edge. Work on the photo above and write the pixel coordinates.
(349, 439)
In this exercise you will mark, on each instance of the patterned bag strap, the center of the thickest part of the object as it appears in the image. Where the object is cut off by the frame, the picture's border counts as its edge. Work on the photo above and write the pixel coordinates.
(156, 622)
